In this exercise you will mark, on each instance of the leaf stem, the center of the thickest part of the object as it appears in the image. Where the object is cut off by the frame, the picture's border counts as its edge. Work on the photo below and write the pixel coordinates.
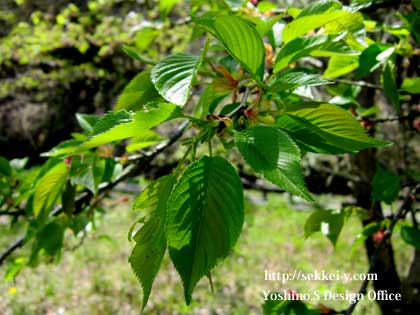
(209, 142)
(179, 166)
(211, 282)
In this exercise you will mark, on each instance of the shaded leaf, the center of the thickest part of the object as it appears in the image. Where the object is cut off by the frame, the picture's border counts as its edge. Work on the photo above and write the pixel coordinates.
(386, 186)
(150, 247)
(49, 240)
(411, 236)
(205, 217)
(49, 187)
(272, 153)
(5, 168)
(135, 55)
(87, 172)
(328, 222)
(298, 48)
(139, 91)
(390, 85)
(370, 59)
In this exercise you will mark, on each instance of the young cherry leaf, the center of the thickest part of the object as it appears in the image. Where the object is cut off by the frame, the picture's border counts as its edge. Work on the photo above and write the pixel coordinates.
(150, 247)
(329, 122)
(49, 187)
(241, 40)
(173, 77)
(123, 124)
(138, 92)
(273, 154)
(328, 222)
(205, 217)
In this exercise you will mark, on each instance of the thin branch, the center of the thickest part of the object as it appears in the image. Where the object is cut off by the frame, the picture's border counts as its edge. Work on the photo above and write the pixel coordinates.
(382, 120)
(242, 105)
(15, 213)
(402, 211)
(414, 219)
(129, 171)
(360, 83)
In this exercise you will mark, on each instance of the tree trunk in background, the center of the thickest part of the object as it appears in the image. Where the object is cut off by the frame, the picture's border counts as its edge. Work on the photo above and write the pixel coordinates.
(411, 286)
(385, 268)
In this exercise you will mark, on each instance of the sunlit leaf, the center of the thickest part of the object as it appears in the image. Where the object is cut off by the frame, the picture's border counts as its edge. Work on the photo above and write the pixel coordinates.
(241, 40)
(173, 77)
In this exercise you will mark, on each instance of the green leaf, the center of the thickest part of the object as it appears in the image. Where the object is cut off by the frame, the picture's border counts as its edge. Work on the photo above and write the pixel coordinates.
(15, 268)
(386, 186)
(411, 85)
(336, 125)
(146, 139)
(272, 153)
(288, 307)
(209, 100)
(341, 65)
(241, 40)
(150, 247)
(165, 6)
(87, 172)
(123, 124)
(138, 92)
(265, 6)
(63, 149)
(173, 77)
(293, 79)
(49, 187)
(328, 222)
(390, 85)
(135, 55)
(351, 22)
(205, 217)
(411, 236)
(307, 136)
(87, 121)
(50, 240)
(313, 16)
(68, 199)
(298, 48)
(371, 59)
(5, 168)
(334, 47)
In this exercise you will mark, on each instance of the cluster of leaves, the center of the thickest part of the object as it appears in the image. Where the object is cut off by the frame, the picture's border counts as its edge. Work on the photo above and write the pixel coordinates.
(253, 99)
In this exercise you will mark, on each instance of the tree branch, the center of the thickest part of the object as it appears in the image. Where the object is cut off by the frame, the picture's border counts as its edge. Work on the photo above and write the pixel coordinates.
(15, 213)
(130, 171)
(360, 83)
